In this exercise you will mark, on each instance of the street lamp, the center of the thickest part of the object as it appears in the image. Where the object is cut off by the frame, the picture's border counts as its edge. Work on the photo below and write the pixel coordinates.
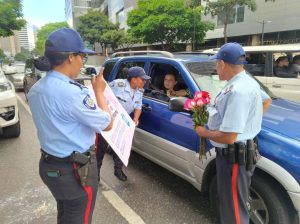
(263, 29)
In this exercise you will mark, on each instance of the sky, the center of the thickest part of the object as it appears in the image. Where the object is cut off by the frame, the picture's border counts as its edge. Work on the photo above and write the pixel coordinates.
(40, 12)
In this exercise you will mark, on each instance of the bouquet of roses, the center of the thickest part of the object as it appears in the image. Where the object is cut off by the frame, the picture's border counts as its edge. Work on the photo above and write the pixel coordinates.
(200, 115)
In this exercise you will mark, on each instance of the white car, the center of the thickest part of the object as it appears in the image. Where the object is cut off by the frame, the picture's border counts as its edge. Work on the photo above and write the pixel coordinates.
(9, 112)
(261, 63)
(9, 69)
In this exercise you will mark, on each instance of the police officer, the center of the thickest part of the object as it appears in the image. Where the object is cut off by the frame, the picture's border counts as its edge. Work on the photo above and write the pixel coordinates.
(66, 119)
(233, 122)
(129, 93)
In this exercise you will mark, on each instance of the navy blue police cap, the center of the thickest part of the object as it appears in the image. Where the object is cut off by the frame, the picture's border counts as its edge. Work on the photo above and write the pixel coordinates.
(137, 71)
(66, 40)
(231, 53)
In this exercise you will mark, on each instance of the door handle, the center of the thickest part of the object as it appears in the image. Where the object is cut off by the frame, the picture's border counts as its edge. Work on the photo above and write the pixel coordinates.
(146, 108)
(276, 85)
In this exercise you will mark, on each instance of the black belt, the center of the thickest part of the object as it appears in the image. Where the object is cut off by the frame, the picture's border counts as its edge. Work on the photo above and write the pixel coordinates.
(48, 156)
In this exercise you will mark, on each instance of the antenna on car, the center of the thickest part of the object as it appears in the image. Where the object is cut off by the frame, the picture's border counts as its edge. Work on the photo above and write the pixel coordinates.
(131, 53)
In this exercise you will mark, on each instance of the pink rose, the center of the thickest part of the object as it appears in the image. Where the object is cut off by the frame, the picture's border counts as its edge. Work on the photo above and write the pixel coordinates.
(200, 102)
(189, 104)
(198, 95)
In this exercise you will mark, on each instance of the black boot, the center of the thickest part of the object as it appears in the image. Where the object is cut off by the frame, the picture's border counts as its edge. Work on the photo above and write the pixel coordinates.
(120, 175)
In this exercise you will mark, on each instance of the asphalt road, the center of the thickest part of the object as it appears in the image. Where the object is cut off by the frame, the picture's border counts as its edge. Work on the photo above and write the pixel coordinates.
(150, 195)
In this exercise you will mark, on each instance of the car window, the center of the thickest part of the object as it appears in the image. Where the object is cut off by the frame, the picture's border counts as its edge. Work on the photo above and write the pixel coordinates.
(108, 66)
(256, 63)
(157, 87)
(206, 77)
(123, 68)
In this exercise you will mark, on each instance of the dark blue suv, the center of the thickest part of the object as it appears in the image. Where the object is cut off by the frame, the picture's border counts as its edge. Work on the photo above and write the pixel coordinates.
(166, 136)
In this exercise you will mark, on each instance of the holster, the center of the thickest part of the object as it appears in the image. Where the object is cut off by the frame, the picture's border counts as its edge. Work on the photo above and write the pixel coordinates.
(86, 167)
(244, 154)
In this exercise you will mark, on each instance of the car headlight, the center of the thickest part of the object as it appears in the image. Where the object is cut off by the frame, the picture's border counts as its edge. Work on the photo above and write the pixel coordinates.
(5, 86)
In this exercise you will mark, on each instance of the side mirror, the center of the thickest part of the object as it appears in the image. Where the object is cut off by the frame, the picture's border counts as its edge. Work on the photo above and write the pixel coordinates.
(28, 70)
(90, 71)
(176, 104)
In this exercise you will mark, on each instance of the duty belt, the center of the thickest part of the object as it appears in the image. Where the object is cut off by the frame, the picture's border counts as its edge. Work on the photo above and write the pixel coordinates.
(242, 153)
(47, 156)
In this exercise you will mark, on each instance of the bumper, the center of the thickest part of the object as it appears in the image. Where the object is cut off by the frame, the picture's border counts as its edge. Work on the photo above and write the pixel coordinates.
(295, 197)
(8, 109)
(18, 84)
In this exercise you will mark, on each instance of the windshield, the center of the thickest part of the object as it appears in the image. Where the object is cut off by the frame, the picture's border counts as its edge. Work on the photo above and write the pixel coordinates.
(207, 79)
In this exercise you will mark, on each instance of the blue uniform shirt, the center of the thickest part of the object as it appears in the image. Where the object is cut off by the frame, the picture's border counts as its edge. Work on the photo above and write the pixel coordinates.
(238, 108)
(129, 100)
(65, 116)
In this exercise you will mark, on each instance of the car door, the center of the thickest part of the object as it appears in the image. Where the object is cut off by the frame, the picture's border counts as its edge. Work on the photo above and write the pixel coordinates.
(165, 136)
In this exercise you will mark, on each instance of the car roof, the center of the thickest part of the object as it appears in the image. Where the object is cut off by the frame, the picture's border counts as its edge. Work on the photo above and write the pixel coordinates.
(163, 55)
(264, 48)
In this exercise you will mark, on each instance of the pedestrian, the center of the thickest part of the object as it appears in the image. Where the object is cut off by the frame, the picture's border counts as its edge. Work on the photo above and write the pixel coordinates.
(234, 121)
(66, 119)
(129, 92)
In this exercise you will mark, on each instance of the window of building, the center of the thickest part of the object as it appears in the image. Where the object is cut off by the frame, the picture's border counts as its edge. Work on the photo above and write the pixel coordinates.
(236, 16)
(120, 16)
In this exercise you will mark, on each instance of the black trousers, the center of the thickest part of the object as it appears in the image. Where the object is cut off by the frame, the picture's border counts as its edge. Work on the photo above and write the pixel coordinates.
(102, 148)
(75, 204)
(233, 182)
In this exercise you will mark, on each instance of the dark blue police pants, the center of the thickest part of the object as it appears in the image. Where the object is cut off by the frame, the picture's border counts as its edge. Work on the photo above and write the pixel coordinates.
(102, 148)
(75, 204)
(233, 183)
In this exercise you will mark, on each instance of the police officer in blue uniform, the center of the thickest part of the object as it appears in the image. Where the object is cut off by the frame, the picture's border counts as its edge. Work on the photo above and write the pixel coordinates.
(66, 119)
(234, 122)
(129, 93)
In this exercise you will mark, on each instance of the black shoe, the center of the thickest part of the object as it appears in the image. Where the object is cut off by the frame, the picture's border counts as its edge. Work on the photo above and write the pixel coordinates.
(120, 175)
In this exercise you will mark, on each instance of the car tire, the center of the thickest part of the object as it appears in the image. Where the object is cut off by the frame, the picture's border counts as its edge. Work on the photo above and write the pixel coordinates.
(266, 203)
(12, 131)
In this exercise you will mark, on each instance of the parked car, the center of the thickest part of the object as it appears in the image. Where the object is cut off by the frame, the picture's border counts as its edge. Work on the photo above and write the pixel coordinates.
(32, 75)
(9, 112)
(261, 63)
(17, 78)
(9, 69)
(166, 136)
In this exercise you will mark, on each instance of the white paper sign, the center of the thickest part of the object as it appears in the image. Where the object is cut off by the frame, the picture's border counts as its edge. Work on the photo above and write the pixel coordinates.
(121, 135)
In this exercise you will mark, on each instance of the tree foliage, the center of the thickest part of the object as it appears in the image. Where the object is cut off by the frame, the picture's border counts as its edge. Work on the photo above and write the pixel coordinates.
(11, 17)
(224, 9)
(114, 38)
(2, 55)
(44, 32)
(167, 22)
(93, 25)
(23, 55)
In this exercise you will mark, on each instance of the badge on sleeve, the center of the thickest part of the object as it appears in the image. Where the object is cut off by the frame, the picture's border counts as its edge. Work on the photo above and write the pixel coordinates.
(89, 102)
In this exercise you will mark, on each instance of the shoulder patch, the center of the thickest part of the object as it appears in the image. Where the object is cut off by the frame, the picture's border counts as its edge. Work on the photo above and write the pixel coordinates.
(77, 84)
(121, 84)
(89, 102)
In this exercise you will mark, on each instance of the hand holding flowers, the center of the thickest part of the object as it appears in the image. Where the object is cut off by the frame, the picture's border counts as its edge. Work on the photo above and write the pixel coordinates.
(198, 105)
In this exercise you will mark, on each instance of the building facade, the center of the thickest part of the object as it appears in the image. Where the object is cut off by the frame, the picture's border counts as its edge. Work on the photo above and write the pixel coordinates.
(26, 37)
(117, 10)
(76, 8)
(272, 23)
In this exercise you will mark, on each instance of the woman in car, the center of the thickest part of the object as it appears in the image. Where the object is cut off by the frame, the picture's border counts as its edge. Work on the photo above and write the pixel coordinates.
(170, 82)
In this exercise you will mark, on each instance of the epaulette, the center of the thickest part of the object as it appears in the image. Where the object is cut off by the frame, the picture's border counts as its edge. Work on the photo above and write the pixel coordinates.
(77, 84)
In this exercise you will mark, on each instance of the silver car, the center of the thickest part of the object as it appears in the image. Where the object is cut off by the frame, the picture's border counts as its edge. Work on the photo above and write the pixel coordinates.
(17, 77)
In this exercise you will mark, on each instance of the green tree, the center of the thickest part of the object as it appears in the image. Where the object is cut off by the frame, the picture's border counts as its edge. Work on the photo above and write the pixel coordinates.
(93, 25)
(44, 32)
(223, 9)
(2, 55)
(114, 38)
(23, 55)
(11, 17)
(167, 22)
